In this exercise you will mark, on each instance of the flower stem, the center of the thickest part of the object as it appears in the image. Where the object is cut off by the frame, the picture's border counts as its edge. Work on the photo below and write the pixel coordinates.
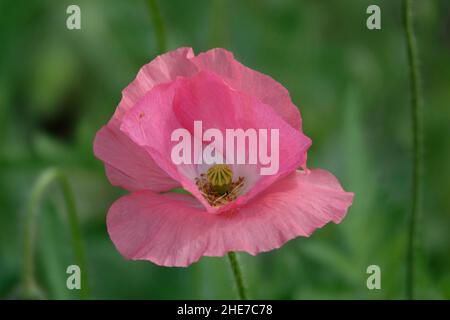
(238, 277)
(37, 193)
(416, 118)
(158, 25)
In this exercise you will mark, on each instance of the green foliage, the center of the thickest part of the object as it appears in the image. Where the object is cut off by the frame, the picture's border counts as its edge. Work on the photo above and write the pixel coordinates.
(58, 87)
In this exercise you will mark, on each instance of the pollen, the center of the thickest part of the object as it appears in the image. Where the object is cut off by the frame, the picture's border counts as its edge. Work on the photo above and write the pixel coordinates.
(217, 185)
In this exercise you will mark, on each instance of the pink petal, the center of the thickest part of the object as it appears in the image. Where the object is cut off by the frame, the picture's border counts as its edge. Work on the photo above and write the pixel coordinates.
(206, 97)
(128, 165)
(164, 68)
(252, 82)
(150, 124)
(172, 230)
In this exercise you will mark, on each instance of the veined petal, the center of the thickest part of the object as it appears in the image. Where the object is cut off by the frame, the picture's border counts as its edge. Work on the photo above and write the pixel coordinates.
(163, 69)
(253, 83)
(205, 97)
(128, 165)
(173, 230)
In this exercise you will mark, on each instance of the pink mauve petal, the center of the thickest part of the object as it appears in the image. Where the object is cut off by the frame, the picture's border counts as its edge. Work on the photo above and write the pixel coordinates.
(150, 124)
(252, 82)
(128, 165)
(206, 97)
(164, 68)
(172, 230)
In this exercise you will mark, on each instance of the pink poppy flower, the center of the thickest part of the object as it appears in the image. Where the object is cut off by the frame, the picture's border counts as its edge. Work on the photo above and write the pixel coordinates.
(255, 213)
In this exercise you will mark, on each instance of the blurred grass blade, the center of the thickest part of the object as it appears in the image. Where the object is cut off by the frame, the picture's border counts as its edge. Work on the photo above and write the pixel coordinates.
(416, 119)
(37, 193)
(158, 25)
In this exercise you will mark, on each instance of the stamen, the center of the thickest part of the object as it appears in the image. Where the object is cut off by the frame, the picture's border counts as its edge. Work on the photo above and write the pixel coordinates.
(217, 186)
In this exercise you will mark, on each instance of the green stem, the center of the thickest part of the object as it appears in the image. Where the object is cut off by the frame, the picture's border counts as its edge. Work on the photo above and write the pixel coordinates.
(158, 25)
(416, 118)
(38, 191)
(238, 277)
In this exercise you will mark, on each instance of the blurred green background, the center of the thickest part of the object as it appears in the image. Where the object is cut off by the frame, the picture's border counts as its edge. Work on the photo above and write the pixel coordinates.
(59, 86)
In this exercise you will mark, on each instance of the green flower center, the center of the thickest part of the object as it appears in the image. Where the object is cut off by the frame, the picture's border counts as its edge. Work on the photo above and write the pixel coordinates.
(220, 177)
(217, 185)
